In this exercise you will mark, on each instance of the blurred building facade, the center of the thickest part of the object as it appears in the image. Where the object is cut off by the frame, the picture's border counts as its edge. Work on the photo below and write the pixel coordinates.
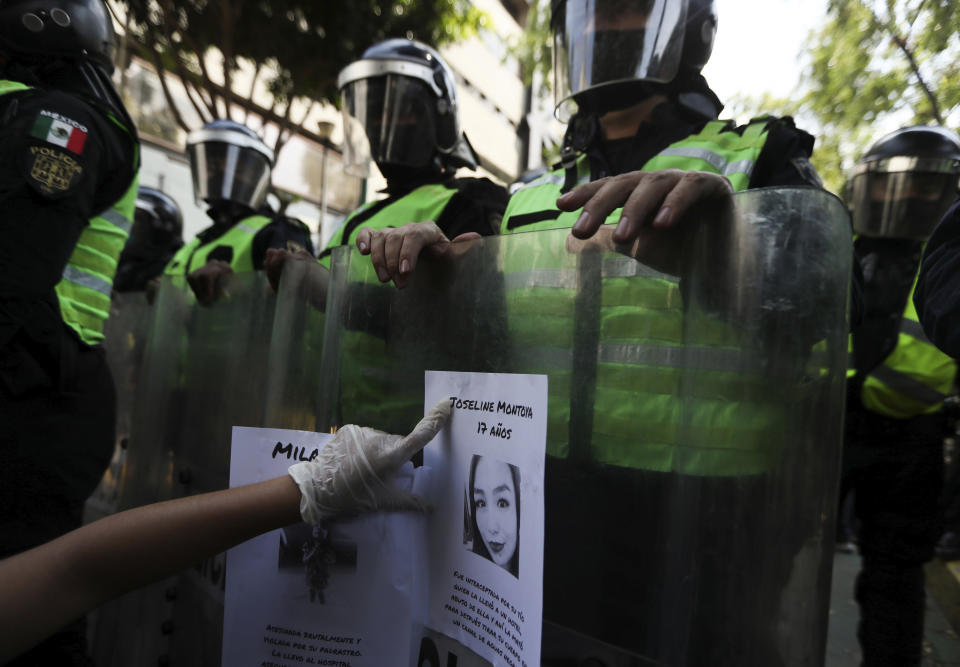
(505, 123)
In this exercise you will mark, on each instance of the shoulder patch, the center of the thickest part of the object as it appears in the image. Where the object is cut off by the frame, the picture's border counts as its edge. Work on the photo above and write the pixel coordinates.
(57, 130)
(806, 171)
(52, 171)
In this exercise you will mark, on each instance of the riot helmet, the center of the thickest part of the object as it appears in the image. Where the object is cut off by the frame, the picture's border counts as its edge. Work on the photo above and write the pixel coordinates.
(157, 222)
(230, 164)
(905, 183)
(71, 29)
(610, 54)
(41, 36)
(399, 104)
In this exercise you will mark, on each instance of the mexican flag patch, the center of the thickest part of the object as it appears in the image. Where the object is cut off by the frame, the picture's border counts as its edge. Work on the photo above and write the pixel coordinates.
(59, 131)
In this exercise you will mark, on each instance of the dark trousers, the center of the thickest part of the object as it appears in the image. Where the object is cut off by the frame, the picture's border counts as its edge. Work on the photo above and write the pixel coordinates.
(895, 467)
(57, 415)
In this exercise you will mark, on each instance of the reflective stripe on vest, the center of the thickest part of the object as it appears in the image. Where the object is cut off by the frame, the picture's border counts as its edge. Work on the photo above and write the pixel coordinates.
(716, 149)
(7, 86)
(84, 292)
(420, 205)
(239, 237)
(85, 288)
(914, 378)
(643, 367)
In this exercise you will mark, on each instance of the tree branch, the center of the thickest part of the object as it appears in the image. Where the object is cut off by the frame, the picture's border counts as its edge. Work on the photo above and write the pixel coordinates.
(167, 19)
(901, 43)
(192, 90)
(934, 105)
(227, 20)
(282, 127)
(209, 87)
(253, 85)
(161, 74)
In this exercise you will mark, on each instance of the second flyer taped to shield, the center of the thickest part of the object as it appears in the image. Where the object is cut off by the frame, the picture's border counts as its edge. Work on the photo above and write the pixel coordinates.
(464, 582)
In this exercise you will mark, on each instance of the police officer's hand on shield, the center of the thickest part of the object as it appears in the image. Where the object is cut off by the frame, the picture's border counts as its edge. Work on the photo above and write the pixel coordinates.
(394, 251)
(45, 587)
(277, 258)
(658, 210)
(207, 281)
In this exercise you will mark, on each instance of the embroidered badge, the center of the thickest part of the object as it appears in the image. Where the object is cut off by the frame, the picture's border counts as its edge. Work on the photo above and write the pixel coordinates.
(58, 130)
(53, 170)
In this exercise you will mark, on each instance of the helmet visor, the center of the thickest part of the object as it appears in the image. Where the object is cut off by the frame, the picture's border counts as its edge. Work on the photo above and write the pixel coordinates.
(388, 120)
(905, 204)
(226, 172)
(599, 43)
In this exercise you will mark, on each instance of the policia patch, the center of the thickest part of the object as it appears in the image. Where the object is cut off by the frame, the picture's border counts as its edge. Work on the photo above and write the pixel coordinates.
(52, 171)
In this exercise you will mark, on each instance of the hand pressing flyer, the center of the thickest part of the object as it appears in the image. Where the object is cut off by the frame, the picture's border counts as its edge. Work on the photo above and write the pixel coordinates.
(463, 582)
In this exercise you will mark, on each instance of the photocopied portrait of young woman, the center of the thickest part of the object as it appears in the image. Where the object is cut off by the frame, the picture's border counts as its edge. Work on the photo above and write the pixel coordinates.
(493, 497)
(486, 482)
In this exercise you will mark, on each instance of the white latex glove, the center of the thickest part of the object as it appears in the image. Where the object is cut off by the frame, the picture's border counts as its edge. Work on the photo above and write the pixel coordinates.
(351, 474)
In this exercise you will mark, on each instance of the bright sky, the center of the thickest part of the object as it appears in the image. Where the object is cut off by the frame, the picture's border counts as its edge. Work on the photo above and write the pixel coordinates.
(758, 45)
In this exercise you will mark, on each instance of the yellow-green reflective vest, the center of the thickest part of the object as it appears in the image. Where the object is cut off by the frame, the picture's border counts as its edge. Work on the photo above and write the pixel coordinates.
(87, 283)
(374, 389)
(640, 421)
(420, 205)
(239, 237)
(913, 379)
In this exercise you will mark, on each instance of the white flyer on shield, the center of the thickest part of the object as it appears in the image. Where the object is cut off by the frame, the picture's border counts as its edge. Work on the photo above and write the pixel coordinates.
(349, 593)
(486, 532)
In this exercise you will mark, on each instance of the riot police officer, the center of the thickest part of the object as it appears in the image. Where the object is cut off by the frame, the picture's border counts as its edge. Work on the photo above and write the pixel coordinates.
(400, 111)
(231, 168)
(156, 236)
(68, 184)
(937, 296)
(642, 147)
(896, 422)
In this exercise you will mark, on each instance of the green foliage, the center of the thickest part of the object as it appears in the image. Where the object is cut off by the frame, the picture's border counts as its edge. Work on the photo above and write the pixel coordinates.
(534, 48)
(875, 65)
(298, 48)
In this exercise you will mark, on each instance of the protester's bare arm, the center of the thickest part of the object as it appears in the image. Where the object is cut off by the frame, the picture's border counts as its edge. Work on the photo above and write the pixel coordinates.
(395, 251)
(45, 588)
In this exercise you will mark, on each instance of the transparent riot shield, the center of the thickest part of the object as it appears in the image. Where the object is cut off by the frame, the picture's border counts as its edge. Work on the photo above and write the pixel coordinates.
(125, 340)
(694, 432)
(296, 344)
(204, 371)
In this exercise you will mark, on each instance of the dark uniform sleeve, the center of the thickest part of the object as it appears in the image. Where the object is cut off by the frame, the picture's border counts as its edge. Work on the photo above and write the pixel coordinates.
(61, 162)
(785, 158)
(283, 232)
(477, 206)
(937, 296)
